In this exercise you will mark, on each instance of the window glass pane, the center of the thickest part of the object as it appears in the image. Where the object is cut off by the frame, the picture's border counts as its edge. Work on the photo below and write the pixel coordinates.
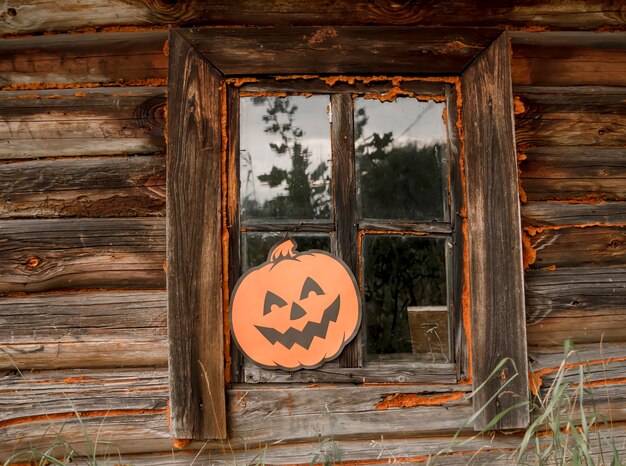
(400, 272)
(400, 147)
(256, 246)
(285, 158)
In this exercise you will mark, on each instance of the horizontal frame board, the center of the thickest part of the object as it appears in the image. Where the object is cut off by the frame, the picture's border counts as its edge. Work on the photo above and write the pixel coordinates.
(339, 50)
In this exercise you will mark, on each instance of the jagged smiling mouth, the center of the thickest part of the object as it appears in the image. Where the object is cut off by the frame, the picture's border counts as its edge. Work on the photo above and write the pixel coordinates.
(305, 336)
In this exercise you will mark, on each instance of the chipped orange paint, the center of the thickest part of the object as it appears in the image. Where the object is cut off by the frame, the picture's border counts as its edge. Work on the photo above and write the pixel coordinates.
(225, 233)
(78, 380)
(602, 383)
(536, 381)
(322, 35)
(518, 106)
(465, 293)
(153, 82)
(180, 443)
(295, 76)
(411, 400)
(166, 48)
(80, 414)
(529, 254)
(591, 198)
(272, 94)
(458, 45)
(238, 82)
(552, 268)
(396, 92)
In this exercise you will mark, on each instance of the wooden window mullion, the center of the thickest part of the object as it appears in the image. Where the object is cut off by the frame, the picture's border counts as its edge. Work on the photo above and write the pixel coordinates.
(344, 185)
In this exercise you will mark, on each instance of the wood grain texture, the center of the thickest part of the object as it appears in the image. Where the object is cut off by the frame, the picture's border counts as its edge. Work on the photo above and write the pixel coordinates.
(194, 246)
(578, 327)
(571, 116)
(232, 219)
(88, 187)
(46, 331)
(131, 403)
(41, 255)
(580, 247)
(575, 289)
(569, 58)
(456, 275)
(566, 214)
(94, 121)
(585, 304)
(495, 259)
(498, 450)
(574, 173)
(29, 16)
(339, 50)
(332, 372)
(90, 58)
(344, 195)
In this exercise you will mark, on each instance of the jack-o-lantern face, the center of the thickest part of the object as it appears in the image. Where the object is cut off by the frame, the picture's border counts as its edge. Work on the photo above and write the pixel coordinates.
(296, 310)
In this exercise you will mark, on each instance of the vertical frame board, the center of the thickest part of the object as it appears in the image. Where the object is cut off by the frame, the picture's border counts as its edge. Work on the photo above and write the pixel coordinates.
(345, 204)
(495, 257)
(194, 246)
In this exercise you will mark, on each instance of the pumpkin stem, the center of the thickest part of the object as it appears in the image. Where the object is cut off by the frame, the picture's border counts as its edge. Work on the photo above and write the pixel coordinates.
(283, 250)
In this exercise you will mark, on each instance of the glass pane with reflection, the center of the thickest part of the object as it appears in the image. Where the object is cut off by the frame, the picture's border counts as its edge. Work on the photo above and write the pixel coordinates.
(400, 150)
(405, 295)
(285, 158)
(256, 246)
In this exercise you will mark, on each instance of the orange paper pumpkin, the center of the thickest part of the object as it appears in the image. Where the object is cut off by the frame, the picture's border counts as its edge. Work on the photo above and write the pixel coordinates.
(296, 310)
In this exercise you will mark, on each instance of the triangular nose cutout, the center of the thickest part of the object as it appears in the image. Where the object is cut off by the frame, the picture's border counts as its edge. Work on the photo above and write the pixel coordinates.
(296, 311)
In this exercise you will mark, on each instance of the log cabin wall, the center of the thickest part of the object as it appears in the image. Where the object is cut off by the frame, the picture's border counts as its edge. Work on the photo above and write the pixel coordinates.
(82, 229)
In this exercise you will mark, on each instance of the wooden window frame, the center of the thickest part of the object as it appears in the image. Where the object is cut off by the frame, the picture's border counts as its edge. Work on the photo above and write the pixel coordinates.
(349, 230)
(200, 236)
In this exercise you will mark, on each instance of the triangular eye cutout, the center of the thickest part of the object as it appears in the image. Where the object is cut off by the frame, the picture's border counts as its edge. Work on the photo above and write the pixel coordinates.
(272, 300)
(310, 286)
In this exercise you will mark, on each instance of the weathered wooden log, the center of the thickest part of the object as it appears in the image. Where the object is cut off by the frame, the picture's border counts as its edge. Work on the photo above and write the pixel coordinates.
(585, 304)
(313, 50)
(88, 187)
(580, 247)
(578, 326)
(73, 330)
(569, 59)
(571, 116)
(128, 408)
(135, 57)
(29, 16)
(584, 174)
(40, 255)
(90, 121)
(563, 214)
(575, 289)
